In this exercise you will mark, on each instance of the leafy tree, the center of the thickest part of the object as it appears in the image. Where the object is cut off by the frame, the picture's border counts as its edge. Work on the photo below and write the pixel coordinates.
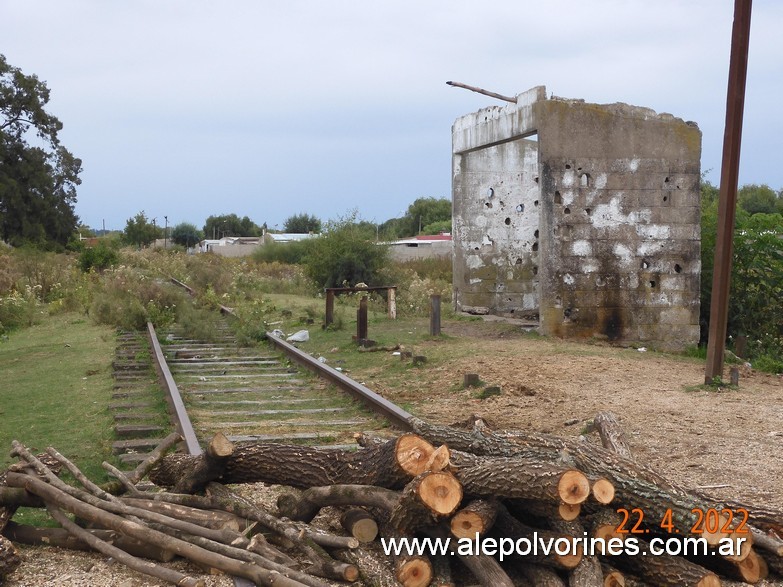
(186, 234)
(423, 212)
(230, 225)
(345, 254)
(437, 227)
(756, 199)
(37, 182)
(141, 232)
(302, 224)
(756, 298)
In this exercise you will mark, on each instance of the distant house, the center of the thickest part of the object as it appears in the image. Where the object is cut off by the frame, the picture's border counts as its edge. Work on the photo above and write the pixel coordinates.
(288, 237)
(231, 246)
(421, 247)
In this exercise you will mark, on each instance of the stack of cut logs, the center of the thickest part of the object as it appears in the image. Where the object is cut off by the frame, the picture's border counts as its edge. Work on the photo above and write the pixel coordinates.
(464, 482)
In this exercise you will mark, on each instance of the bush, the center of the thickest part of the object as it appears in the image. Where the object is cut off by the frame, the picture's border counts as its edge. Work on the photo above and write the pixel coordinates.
(100, 257)
(292, 253)
(345, 254)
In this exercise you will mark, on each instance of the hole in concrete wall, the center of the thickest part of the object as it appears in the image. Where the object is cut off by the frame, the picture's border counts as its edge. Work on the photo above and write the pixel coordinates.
(535, 270)
(535, 234)
(652, 283)
(507, 221)
(666, 198)
(558, 301)
(535, 203)
(568, 166)
(666, 180)
(502, 204)
(584, 180)
(476, 248)
(490, 193)
(535, 247)
(567, 312)
(645, 264)
(587, 211)
(520, 208)
(567, 211)
(488, 204)
(677, 268)
(535, 179)
(558, 198)
(518, 261)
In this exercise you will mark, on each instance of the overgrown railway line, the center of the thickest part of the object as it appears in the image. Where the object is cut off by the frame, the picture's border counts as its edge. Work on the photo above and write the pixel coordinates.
(272, 394)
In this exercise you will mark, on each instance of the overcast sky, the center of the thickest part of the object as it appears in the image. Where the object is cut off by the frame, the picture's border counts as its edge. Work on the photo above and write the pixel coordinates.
(189, 108)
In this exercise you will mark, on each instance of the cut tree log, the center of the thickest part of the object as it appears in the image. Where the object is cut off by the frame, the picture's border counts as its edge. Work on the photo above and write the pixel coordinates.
(476, 518)
(359, 524)
(305, 506)
(412, 570)
(428, 498)
(665, 570)
(540, 576)
(612, 435)
(511, 477)
(209, 467)
(301, 466)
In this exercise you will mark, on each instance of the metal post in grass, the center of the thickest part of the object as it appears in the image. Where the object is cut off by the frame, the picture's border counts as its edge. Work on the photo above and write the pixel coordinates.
(435, 315)
(329, 307)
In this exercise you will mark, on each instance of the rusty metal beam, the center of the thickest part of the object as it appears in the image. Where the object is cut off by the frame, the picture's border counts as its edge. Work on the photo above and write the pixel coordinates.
(729, 177)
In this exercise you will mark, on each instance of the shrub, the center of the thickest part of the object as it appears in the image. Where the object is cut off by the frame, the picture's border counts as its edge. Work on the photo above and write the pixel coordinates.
(345, 254)
(100, 257)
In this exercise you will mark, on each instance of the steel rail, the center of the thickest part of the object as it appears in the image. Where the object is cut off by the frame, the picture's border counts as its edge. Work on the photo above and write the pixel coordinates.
(378, 404)
(180, 414)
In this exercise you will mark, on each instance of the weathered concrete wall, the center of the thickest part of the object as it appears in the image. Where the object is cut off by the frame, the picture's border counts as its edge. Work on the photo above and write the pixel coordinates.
(618, 218)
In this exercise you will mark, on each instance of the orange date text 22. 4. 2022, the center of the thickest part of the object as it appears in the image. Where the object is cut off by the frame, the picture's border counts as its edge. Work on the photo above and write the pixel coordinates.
(712, 521)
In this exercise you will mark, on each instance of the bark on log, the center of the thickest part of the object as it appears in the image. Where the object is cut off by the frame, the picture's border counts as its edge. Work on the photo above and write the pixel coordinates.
(210, 466)
(425, 500)
(374, 570)
(295, 465)
(144, 467)
(587, 573)
(306, 506)
(477, 517)
(504, 477)
(664, 570)
(214, 519)
(612, 435)
(359, 524)
(441, 572)
(507, 526)
(540, 576)
(612, 577)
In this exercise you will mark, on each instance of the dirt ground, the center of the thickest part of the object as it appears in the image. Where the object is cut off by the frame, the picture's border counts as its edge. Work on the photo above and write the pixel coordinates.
(697, 437)
(732, 439)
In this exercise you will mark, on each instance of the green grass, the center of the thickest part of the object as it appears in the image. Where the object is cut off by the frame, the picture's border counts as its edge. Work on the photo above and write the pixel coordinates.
(56, 390)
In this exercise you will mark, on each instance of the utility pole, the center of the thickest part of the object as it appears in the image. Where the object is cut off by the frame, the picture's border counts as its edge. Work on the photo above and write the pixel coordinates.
(165, 232)
(727, 203)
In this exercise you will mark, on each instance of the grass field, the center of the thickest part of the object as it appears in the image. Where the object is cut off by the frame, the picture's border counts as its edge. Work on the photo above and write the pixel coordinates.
(55, 390)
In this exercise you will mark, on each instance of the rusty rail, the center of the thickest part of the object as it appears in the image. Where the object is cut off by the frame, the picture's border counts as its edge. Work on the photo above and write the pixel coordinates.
(179, 413)
(395, 414)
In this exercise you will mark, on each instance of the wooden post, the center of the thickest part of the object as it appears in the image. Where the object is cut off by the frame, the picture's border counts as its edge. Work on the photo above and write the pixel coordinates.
(329, 307)
(741, 346)
(361, 320)
(734, 374)
(392, 303)
(435, 315)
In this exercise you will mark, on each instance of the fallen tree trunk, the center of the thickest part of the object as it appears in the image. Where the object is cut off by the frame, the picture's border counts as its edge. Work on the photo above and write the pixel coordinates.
(389, 465)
